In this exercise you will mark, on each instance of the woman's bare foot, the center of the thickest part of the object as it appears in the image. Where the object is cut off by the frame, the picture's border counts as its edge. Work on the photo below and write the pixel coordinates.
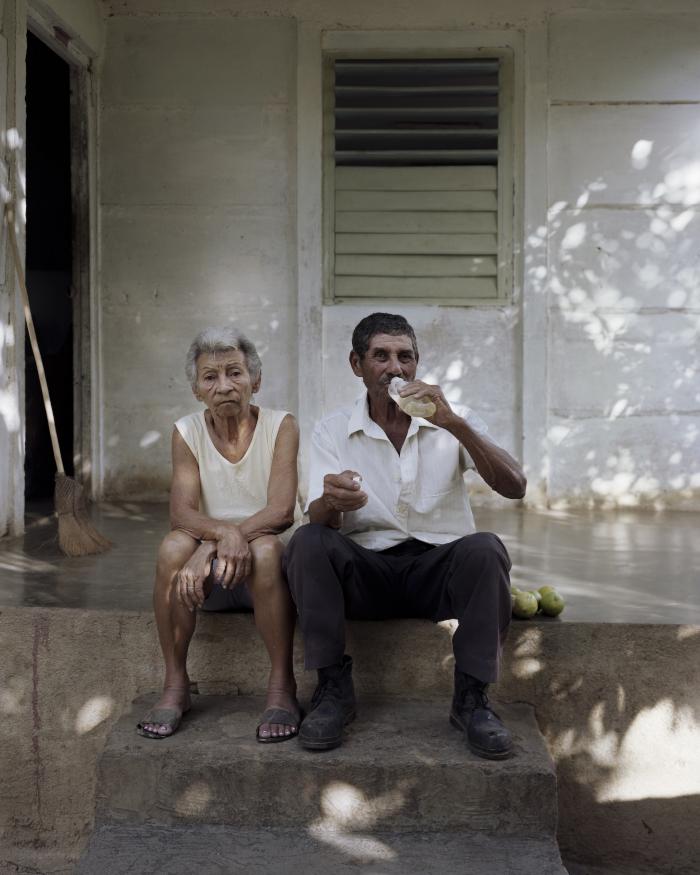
(286, 700)
(165, 716)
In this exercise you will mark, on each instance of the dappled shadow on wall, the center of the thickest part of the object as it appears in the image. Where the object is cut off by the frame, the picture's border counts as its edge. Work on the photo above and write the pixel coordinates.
(624, 303)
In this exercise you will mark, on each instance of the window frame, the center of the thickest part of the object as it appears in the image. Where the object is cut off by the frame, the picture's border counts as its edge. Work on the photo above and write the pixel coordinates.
(417, 47)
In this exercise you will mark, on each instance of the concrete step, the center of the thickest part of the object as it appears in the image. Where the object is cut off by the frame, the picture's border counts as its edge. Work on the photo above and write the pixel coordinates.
(402, 767)
(208, 850)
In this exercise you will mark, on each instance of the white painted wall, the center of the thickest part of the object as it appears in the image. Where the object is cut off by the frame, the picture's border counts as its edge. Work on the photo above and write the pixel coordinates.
(624, 260)
(197, 197)
(589, 376)
(12, 46)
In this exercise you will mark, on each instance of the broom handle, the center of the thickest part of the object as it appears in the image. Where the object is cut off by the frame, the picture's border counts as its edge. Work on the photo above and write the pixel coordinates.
(10, 222)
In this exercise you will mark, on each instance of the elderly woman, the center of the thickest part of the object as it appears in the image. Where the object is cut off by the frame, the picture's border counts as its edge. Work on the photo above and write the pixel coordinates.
(233, 496)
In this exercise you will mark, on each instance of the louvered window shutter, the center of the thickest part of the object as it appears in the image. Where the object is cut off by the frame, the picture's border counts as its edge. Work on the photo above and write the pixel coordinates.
(415, 178)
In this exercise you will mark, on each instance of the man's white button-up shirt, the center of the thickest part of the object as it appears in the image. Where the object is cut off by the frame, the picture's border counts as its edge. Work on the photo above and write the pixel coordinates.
(418, 493)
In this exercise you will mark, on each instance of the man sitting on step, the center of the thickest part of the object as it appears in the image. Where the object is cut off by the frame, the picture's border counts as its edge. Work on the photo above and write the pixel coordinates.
(391, 534)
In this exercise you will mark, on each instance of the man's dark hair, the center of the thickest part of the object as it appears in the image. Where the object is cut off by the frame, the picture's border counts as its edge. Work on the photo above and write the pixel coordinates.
(381, 323)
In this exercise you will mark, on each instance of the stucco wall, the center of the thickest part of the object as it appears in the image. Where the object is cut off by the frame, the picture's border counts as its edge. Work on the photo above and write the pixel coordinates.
(197, 193)
(589, 376)
(12, 47)
(624, 306)
(199, 171)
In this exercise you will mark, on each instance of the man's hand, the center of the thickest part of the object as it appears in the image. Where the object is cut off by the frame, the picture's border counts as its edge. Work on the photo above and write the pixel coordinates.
(342, 493)
(234, 561)
(191, 577)
(444, 415)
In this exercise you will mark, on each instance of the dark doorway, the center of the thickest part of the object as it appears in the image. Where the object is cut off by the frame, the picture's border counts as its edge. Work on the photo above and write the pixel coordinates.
(49, 262)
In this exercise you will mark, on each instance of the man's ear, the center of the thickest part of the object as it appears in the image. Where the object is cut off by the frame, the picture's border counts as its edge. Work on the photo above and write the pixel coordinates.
(355, 363)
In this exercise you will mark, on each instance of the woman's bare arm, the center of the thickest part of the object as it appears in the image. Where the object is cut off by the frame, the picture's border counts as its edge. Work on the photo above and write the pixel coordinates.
(278, 513)
(184, 496)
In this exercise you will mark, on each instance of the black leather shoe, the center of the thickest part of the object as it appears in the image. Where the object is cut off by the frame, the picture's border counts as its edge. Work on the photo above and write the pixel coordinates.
(332, 708)
(486, 735)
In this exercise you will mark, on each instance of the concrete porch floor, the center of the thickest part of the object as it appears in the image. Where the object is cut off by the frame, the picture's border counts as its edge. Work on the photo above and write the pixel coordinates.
(611, 566)
(616, 670)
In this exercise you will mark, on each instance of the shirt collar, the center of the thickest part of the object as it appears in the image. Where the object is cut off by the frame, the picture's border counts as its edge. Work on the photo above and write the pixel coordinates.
(360, 420)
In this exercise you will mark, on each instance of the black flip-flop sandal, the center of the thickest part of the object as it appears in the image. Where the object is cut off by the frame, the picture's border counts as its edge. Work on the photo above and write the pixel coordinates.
(170, 717)
(279, 715)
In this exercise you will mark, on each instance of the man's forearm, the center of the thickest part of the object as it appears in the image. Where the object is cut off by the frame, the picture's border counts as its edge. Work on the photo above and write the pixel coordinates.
(497, 467)
(320, 513)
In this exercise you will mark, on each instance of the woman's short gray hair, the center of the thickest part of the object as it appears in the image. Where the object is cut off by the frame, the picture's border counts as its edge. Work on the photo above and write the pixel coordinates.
(221, 340)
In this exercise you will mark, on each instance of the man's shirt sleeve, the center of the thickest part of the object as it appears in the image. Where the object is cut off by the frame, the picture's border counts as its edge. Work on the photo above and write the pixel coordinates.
(323, 460)
(475, 422)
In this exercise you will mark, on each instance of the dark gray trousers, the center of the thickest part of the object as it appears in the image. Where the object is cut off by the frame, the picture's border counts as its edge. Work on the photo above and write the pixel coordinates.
(333, 579)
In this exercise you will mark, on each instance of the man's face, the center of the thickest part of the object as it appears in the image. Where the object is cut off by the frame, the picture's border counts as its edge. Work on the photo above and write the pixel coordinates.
(388, 356)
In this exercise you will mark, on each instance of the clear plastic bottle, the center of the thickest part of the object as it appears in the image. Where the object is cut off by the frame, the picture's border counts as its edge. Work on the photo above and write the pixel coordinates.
(411, 406)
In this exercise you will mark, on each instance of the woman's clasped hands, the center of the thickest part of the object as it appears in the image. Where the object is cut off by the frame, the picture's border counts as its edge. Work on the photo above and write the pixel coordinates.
(228, 561)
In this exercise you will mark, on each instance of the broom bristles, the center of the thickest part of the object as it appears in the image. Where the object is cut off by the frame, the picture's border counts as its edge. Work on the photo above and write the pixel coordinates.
(81, 514)
(76, 534)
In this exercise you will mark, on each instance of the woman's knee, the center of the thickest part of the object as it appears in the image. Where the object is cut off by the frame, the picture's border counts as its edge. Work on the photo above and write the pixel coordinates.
(175, 549)
(267, 555)
(267, 579)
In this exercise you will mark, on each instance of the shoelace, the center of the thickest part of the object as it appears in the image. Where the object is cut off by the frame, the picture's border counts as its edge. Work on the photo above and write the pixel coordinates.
(477, 694)
(328, 686)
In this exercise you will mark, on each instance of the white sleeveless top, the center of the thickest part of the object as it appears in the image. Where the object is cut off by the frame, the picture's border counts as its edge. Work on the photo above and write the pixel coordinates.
(234, 491)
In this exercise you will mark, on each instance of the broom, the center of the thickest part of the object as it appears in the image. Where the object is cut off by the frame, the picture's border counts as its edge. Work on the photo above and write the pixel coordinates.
(76, 534)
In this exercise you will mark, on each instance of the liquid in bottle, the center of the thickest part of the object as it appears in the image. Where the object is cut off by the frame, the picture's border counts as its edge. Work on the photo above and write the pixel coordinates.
(411, 406)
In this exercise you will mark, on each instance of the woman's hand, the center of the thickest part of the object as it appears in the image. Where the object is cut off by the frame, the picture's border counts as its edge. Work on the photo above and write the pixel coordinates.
(234, 561)
(191, 577)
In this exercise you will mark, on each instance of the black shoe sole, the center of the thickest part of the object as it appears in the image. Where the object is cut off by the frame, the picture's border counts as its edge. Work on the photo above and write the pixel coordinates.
(480, 751)
(325, 743)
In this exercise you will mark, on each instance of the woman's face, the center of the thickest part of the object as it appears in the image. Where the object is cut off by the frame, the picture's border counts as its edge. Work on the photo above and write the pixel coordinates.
(224, 383)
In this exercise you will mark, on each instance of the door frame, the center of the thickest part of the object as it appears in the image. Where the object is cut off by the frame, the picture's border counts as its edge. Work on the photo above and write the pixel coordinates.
(83, 235)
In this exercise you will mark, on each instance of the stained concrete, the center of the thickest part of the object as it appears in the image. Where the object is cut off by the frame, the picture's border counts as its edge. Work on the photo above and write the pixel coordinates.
(402, 766)
(602, 692)
(618, 702)
(219, 851)
(403, 792)
(612, 567)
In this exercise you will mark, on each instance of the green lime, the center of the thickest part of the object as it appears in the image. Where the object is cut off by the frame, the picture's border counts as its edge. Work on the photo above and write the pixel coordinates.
(552, 603)
(543, 589)
(525, 605)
